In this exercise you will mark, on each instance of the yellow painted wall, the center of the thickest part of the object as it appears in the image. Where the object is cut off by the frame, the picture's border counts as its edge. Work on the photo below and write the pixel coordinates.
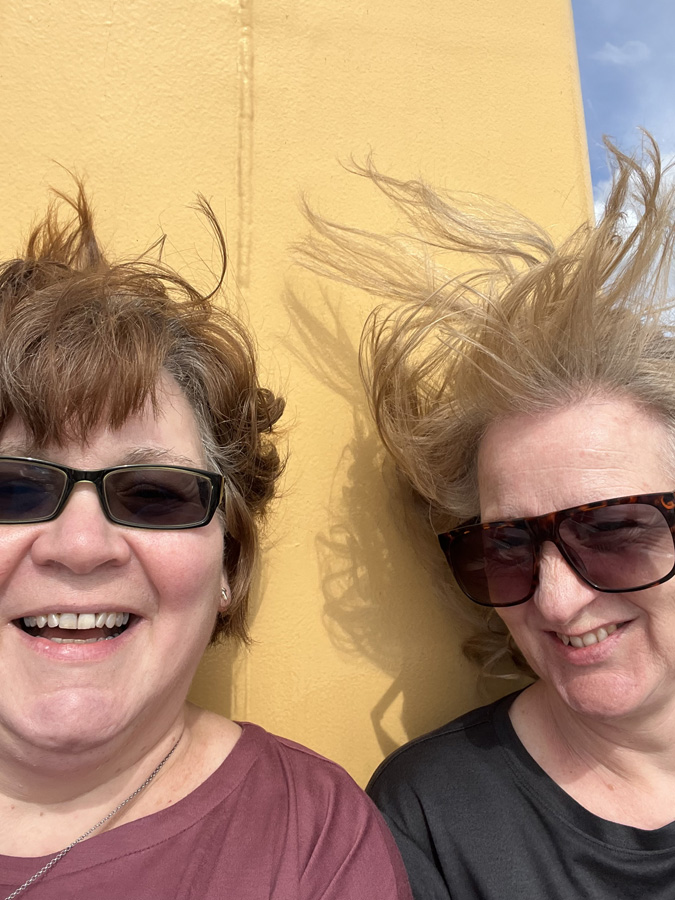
(251, 102)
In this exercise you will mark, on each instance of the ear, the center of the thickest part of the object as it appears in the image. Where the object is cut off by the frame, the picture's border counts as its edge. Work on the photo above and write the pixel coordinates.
(225, 597)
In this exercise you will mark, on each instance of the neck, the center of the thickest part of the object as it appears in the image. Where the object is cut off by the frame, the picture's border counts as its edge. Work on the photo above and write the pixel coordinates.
(32, 825)
(564, 740)
(65, 775)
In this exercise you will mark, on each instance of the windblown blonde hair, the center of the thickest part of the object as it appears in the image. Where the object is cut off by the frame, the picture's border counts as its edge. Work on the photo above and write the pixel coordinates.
(533, 328)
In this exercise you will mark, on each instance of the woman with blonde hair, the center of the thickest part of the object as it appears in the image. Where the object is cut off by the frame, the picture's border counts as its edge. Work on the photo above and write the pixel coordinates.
(137, 459)
(531, 405)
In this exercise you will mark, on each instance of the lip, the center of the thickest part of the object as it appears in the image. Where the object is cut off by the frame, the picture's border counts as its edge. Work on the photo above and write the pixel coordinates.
(77, 653)
(594, 653)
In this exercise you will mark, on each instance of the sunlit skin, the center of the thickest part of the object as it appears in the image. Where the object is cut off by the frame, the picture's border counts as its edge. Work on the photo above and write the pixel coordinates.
(601, 719)
(95, 717)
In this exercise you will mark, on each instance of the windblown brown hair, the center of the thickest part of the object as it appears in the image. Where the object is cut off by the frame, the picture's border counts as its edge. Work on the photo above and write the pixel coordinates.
(83, 342)
(533, 328)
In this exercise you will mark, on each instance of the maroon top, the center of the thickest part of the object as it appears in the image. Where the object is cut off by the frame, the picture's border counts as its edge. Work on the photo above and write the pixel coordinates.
(274, 822)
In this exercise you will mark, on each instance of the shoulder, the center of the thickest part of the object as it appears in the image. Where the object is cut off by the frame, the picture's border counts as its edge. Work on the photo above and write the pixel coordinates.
(451, 756)
(435, 790)
(298, 763)
(341, 841)
(318, 787)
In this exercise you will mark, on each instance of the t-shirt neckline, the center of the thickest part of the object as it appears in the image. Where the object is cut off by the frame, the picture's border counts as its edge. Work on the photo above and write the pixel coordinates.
(139, 834)
(538, 784)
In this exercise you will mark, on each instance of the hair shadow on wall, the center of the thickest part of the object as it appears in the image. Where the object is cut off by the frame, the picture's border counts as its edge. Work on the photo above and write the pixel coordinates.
(379, 599)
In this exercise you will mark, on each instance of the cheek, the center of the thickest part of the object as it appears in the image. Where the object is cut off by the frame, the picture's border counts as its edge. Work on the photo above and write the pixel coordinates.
(655, 608)
(15, 553)
(185, 566)
(531, 643)
(515, 620)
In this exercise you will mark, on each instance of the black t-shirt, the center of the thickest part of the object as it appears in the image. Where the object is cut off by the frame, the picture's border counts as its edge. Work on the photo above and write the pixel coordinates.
(474, 816)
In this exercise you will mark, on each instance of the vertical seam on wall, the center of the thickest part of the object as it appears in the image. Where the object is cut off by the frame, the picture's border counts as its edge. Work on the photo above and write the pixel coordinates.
(239, 686)
(240, 671)
(245, 141)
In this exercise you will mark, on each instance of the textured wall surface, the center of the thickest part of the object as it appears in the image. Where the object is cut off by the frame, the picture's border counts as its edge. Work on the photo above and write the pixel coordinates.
(252, 102)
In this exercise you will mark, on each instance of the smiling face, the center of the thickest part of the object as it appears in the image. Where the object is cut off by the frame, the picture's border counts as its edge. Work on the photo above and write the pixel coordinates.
(76, 696)
(529, 466)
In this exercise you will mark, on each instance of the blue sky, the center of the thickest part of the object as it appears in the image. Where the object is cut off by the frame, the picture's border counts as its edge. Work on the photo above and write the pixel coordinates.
(626, 52)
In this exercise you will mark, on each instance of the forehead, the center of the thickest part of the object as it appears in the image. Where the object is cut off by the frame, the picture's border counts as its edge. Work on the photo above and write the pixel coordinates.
(592, 450)
(164, 432)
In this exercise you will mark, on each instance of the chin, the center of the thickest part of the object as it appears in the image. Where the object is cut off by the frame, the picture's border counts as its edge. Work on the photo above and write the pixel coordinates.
(602, 696)
(77, 722)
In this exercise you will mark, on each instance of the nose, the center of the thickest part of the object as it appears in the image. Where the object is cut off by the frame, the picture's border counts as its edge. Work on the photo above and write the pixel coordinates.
(561, 594)
(81, 539)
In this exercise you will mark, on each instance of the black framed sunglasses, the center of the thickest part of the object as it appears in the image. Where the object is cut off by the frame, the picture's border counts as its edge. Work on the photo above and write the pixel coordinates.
(616, 546)
(139, 496)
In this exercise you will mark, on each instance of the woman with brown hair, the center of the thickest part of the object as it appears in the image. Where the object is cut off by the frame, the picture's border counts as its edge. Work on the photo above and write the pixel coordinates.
(531, 405)
(136, 462)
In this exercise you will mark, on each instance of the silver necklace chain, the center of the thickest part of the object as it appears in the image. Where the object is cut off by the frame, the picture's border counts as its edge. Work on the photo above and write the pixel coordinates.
(82, 837)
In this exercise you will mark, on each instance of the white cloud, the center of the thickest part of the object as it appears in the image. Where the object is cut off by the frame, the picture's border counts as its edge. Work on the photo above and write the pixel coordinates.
(628, 54)
(600, 194)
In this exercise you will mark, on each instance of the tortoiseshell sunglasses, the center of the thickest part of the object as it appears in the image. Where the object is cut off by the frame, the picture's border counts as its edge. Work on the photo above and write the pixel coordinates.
(616, 546)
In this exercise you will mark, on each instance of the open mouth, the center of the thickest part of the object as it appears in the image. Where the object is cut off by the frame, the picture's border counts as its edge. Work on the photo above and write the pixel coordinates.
(589, 637)
(74, 628)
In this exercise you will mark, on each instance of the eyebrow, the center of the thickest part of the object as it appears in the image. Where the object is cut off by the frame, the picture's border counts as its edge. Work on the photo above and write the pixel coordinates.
(157, 455)
(137, 456)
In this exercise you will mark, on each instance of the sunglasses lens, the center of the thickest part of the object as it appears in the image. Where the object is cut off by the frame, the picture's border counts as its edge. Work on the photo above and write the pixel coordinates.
(29, 492)
(153, 497)
(494, 566)
(619, 548)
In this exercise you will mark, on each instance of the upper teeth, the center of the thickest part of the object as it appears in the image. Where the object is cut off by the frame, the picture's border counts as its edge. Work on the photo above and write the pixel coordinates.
(591, 637)
(77, 622)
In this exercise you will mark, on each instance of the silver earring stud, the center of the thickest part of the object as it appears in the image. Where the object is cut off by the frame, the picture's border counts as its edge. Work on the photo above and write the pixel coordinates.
(225, 595)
